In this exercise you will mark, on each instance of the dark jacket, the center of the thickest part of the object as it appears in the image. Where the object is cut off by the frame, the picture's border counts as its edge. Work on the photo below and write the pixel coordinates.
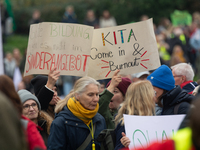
(174, 97)
(189, 86)
(45, 96)
(118, 132)
(104, 110)
(42, 127)
(68, 132)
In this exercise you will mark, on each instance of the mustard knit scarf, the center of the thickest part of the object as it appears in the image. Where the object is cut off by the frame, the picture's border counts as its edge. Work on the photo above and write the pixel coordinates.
(79, 111)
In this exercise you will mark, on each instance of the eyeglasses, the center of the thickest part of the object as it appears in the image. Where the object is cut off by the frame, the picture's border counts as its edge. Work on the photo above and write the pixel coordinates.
(155, 92)
(27, 107)
(177, 76)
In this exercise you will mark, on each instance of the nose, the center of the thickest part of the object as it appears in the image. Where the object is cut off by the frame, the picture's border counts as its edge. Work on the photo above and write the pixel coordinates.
(31, 108)
(96, 98)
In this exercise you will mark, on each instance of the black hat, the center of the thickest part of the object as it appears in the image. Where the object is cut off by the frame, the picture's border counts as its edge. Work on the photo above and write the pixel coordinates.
(38, 82)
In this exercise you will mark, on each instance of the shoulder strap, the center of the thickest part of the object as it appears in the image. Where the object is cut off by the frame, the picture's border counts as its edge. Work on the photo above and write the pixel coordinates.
(177, 107)
(87, 141)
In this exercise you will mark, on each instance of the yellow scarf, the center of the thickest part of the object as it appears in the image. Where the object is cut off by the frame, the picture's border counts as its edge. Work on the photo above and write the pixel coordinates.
(79, 111)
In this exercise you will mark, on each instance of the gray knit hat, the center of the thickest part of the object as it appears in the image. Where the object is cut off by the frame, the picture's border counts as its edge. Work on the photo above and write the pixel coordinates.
(26, 95)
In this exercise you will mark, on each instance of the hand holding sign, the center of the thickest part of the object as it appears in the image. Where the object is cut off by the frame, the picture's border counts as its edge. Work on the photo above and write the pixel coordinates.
(53, 76)
(116, 79)
(125, 140)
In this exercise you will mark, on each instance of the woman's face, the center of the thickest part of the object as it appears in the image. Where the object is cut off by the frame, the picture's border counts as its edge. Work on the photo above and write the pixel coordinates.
(90, 97)
(158, 93)
(30, 109)
(116, 100)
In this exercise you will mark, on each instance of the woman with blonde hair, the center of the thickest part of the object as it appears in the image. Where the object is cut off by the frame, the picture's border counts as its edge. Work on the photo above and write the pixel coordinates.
(139, 100)
(77, 123)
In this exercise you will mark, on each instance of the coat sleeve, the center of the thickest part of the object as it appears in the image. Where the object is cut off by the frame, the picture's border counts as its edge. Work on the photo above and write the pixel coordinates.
(44, 97)
(104, 101)
(34, 138)
(57, 138)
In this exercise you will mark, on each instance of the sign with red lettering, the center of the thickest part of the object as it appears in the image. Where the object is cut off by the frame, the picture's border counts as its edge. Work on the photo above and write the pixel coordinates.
(66, 46)
(131, 48)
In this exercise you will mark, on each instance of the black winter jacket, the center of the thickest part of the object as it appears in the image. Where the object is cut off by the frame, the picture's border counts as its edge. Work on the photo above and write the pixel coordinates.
(173, 98)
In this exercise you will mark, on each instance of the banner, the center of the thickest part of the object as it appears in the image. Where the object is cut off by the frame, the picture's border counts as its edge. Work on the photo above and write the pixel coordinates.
(181, 18)
(66, 46)
(131, 48)
(143, 130)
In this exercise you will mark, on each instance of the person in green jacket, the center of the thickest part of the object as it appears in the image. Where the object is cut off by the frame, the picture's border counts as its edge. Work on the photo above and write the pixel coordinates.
(112, 97)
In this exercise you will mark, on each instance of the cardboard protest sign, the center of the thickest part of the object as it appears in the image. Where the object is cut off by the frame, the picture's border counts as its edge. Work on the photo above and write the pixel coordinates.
(131, 48)
(143, 130)
(66, 46)
(181, 18)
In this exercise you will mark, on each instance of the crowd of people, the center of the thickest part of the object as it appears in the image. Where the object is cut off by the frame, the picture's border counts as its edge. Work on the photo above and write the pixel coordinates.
(38, 118)
(45, 121)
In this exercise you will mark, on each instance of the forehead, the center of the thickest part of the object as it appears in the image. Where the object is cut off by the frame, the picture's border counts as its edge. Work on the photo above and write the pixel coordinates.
(29, 102)
(92, 88)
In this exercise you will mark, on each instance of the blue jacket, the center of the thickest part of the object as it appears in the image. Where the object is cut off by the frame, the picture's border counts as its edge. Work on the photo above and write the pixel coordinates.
(118, 132)
(68, 132)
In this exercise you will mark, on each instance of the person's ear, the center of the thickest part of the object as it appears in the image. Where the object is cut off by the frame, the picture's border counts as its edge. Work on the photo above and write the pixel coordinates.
(183, 79)
(77, 96)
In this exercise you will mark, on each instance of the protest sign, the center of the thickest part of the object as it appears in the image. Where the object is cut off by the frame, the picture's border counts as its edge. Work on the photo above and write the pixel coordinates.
(131, 48)
(143, 130)
(181, 18)
(66, 46)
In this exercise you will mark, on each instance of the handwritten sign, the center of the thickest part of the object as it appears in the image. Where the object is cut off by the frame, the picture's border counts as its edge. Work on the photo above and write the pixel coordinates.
(143, 130)
(181, 18)
(66, 46)
(131, 48)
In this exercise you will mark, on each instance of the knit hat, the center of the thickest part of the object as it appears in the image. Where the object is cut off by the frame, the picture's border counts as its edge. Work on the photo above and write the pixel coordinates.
(162, 78)
(26, 95)
(123, 85)
(38, 82)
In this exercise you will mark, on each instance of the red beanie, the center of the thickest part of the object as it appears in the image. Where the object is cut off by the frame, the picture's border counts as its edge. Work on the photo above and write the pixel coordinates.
(123, 85)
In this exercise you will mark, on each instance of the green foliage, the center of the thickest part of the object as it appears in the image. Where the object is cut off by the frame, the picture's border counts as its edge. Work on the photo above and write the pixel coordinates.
(125, 11)
(16, 41)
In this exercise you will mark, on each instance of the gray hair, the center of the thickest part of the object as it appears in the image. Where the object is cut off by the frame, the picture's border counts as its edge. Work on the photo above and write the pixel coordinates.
(184, 69)
(79, 88)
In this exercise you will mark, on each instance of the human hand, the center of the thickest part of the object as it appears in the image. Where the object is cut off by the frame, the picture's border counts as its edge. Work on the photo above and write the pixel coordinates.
(54, 100)
(125, 140)
(116, 79)
(53, 76)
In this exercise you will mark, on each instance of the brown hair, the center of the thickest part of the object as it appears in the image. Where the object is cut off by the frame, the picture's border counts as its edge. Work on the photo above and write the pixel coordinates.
(7, 87)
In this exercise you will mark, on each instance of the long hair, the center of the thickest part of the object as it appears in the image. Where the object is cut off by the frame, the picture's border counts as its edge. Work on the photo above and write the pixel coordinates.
(139, 100)
(7, 87)
(79, 87)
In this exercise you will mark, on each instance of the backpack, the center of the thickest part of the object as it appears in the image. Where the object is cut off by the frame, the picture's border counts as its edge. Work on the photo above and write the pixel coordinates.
(107, 139)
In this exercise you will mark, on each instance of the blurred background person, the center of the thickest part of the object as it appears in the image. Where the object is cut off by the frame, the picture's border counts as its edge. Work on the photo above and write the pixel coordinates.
(107, 20)
(9, 65)
(69, 15)
(91, 19)
(36, 17)
(12, 135)
(33, 137)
